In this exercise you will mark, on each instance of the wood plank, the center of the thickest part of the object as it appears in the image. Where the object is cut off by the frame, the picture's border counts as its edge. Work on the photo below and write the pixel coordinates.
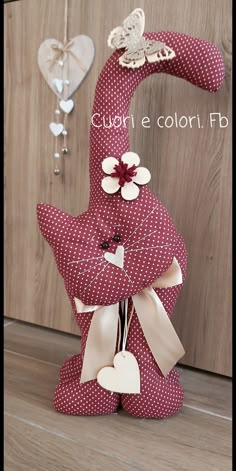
(41, 343)
(30, 447)
(207, 391)
(8, 321)
(189, 437)
(202, 390)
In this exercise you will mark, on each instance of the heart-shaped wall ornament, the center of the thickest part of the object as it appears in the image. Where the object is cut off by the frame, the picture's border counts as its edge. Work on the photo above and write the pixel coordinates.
(56, 128)
(77, 55)
(64, 67)
(66, 106)
(124, 377)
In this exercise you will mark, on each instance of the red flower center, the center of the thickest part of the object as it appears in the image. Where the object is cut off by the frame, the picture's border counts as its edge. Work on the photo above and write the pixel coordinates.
(124, 173)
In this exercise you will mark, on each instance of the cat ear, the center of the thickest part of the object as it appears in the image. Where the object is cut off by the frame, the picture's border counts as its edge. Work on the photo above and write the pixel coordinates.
(53, 222)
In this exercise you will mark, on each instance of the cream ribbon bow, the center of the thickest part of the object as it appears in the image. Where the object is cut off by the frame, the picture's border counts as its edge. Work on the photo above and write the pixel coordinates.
(158, 330)
(61, 51)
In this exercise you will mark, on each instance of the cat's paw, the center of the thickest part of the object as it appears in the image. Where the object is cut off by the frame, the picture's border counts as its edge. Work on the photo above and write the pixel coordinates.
(74, 398)
(71, 368)
(159, 398)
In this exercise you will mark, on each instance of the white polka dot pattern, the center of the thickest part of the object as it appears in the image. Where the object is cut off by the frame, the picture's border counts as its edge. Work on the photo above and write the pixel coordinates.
(146, 232)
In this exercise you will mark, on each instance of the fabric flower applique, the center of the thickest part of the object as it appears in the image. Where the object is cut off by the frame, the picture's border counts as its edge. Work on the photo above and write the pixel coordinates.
(124, 174)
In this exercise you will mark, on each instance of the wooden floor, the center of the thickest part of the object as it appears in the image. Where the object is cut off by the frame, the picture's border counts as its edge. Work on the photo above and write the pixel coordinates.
(37, 438)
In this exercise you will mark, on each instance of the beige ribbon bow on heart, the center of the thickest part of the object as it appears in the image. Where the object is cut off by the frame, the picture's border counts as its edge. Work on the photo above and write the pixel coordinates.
(60, 51)
(156, 325)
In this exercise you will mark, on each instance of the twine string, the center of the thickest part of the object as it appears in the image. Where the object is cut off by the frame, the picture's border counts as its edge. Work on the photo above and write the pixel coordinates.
(126, 326)
(61, 52)
(64, 136)
(66, 22)
(56, 145)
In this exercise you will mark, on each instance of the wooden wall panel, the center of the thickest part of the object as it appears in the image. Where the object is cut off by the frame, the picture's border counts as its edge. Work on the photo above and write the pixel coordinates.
(191, 168)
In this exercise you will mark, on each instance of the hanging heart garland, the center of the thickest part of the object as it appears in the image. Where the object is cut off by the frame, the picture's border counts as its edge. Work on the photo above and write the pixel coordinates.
(64, 66)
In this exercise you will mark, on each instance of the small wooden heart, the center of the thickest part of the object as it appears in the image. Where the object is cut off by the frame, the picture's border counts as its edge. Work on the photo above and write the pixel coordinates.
(78, 59)
(124, 377)
(67, 106)
(56, 128)
(58, 84)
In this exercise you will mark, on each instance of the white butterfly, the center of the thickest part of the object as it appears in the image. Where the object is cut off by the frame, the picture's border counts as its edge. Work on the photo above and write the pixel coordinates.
(138, 49)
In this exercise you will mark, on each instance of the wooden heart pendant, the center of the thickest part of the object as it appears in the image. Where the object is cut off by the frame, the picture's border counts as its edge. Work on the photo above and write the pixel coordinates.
(75, 58)
(124, 377)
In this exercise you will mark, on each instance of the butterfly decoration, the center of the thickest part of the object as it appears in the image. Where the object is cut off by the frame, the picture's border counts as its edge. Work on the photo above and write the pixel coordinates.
(138, 49)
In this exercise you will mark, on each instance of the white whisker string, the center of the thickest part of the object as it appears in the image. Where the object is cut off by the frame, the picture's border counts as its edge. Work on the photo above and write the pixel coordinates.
(148, 248)
(94, 278)
(153, 232)
(127, 276)
(88, 269)
(85, 260)
(141, 224)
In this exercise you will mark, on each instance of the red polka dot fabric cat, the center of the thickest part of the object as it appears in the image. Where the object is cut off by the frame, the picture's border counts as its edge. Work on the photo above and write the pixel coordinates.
(123, 217)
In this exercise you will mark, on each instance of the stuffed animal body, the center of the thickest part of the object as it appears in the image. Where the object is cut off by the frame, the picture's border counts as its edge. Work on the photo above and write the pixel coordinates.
(123, 244)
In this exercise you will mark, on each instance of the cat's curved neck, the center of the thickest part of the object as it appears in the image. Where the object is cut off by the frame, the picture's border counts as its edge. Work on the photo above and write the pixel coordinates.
(196, 61)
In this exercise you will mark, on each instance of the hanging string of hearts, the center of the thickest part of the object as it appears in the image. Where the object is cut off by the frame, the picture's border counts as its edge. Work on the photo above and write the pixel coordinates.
(64, 67)
(66, 106)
